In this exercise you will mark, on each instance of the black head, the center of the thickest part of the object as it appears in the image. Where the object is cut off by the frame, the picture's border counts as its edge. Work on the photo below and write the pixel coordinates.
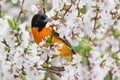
(39, 20)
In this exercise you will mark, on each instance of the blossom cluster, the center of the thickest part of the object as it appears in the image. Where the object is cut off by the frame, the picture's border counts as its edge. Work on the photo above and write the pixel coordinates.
(91, 26)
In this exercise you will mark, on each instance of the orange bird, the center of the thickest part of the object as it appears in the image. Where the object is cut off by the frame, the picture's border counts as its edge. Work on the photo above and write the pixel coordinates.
(39, 32)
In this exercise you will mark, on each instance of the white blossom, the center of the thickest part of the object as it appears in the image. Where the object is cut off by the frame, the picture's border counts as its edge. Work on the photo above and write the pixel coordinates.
(34, 9)
(14, 1)
(94, 60)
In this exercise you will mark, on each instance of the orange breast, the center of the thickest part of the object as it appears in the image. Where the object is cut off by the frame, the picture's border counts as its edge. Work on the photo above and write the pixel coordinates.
(40, 35)
(65, 50)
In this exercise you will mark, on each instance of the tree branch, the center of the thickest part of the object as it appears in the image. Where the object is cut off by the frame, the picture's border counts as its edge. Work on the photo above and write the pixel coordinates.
(21, 11)
(67, 10)
(5, 43)
(51, 69)
(0, 10)
(44, 10)
(110, 74)
(95, 18)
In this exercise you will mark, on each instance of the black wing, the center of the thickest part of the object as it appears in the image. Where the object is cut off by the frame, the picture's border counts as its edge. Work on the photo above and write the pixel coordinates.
(64, 40)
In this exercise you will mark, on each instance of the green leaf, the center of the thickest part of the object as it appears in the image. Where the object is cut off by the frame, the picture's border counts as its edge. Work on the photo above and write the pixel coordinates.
(28, 27)
(35, 65)
(15, 4)
(7, 49)
(3, 13)
(118, 18)
(117, 61)
(25, 10)
(84, 60)
(83, 49)
(83, 10)
(10, 23)
(113, 55)
(115, 22)
(96, 6)
(66, 7)
(50, 41)
(107, 77)
(73, 1)
(23, 77)
(86, 45)
(41, 2)
(79, 14)
(45, 64)
(13, 24)
(77, 48)
(68, 58)
(98, 26)
(117, 78)
(117, 33)
(102, 55)
(55, 17)
(54, 76)
(42, 79)
(12, 64)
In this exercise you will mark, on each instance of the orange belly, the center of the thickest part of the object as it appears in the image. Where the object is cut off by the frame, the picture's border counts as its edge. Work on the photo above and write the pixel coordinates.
(39, 36)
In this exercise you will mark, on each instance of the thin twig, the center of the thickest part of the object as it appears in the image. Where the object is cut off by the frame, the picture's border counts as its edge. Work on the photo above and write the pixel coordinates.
(110, 75)
(5, 43)
(44, 10)
(21, 11)
(23, 2)
(57, 68)
(55, 72)
(95, 22)
(67, 10)
(117, 51)
(19, 16)
(88, 63)
(0, 10)
(50, 70)
(19, 40)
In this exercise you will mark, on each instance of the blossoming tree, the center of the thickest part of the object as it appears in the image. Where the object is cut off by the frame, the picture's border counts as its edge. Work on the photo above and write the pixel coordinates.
(91, 26)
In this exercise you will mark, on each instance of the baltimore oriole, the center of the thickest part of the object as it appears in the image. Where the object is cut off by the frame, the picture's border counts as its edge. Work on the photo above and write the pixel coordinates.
(39, 32)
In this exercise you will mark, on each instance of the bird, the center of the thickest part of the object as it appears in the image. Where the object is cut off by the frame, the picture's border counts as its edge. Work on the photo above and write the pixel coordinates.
(40, 32)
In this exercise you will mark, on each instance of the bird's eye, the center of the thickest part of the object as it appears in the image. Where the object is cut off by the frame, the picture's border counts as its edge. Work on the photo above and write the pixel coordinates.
(42, 17)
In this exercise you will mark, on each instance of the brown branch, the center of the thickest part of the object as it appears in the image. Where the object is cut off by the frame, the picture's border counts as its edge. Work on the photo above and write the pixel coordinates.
(88, 62)
(55, 72)
(50, 70)
(23, 2)
(44, 10)
(19, 15)
(0, 10)
(95, 18)
(56, 68)
(110, 75)
(117, 51)
(21, 11)
(18, 38)
(23, 72)
(67, 10)
(5, 43)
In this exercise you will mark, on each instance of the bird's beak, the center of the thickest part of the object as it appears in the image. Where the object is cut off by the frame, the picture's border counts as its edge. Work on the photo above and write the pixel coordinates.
(47, 20)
